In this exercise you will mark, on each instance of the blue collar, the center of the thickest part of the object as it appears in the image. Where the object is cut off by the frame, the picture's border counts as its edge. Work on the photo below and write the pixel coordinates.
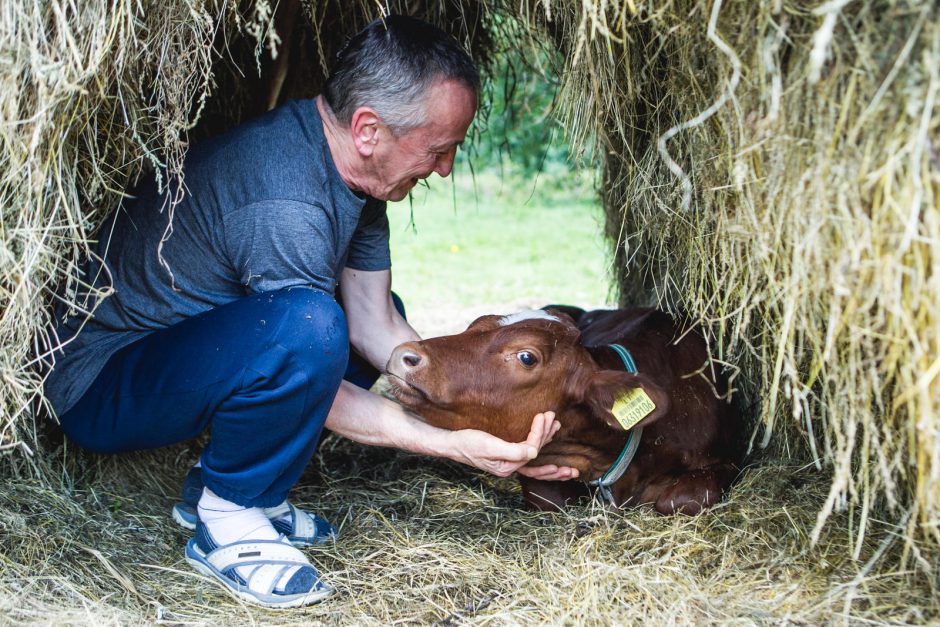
(619, 467)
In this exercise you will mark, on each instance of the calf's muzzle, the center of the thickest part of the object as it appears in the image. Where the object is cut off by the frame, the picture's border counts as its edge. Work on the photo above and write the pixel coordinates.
(406, 359)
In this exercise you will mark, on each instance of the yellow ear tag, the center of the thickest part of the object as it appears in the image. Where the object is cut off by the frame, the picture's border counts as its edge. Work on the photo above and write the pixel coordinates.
(632, 407)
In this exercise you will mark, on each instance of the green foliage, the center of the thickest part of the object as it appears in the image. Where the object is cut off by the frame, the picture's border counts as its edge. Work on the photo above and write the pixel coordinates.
(516, 133)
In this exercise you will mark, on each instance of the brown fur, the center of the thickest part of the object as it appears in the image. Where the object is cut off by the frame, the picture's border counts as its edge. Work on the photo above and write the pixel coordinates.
(476, 380)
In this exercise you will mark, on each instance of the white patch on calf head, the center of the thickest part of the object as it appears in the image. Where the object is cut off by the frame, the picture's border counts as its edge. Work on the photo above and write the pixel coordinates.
(532, 314)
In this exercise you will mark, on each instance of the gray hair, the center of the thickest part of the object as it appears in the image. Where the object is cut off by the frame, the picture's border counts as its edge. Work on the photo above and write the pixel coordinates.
(390, 65)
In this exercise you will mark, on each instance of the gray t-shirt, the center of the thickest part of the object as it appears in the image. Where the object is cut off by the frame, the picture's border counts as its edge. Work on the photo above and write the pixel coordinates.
(264, 209)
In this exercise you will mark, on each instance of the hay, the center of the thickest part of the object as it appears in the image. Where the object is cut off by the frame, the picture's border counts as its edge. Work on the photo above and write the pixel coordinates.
(87, 99)
(428, 541)
(773, 169)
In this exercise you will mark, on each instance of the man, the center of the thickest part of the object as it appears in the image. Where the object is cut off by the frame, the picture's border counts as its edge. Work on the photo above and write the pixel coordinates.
(225, 316)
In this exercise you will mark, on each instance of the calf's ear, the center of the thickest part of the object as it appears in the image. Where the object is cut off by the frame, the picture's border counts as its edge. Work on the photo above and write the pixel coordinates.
(625, 400)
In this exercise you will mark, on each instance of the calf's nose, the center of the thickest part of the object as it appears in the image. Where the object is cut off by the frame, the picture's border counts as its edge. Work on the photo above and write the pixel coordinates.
(411, 359)
(406, 358)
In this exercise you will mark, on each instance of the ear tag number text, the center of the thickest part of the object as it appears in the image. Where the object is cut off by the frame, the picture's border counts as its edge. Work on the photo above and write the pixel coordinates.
(632, 406)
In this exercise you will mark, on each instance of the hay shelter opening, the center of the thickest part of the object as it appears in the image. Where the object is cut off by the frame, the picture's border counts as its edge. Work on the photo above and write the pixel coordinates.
(771, 169)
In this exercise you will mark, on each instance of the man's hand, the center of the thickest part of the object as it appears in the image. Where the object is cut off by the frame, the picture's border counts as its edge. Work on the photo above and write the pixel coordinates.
(370, 419)
(501, 458)
(550, 472)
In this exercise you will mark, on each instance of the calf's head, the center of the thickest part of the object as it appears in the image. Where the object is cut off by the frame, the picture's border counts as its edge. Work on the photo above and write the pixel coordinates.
(502, 371)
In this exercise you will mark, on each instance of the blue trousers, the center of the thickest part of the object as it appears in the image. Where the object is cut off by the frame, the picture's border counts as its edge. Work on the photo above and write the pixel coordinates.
(260, 372)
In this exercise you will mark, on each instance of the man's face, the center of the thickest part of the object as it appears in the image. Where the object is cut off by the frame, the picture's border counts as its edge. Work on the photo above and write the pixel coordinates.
(398, 163)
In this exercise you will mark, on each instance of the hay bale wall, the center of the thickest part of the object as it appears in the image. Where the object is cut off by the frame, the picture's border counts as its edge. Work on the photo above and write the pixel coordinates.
(87, 100)
(772, 168)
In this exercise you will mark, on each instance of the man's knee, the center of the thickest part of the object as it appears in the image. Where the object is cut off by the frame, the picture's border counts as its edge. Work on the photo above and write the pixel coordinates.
(311, 325)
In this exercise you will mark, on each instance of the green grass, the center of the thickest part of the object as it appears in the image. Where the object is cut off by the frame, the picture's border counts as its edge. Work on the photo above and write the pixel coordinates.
(465, 246)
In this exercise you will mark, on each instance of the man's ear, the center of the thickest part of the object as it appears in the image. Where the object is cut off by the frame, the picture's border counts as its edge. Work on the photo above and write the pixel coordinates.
(364, 126)
(625, 400)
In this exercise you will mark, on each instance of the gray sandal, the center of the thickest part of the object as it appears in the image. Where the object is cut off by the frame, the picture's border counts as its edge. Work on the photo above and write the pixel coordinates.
(280, 575)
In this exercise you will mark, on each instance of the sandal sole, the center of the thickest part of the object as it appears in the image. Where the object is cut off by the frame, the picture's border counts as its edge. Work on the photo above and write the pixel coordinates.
(197, 560)
(183, 518)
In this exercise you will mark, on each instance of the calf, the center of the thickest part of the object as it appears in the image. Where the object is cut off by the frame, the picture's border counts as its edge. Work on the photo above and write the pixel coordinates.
(622, 383)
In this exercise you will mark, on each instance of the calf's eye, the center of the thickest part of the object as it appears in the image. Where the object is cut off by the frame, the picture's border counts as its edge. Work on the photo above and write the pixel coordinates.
(527, 358)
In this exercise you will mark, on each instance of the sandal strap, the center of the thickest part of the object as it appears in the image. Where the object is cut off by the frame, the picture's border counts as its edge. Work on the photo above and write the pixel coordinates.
(302, 523)
(251, 552)
(265, 578)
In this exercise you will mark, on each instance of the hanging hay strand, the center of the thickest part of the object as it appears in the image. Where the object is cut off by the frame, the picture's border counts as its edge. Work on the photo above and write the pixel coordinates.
(774, 170)
(89, 91)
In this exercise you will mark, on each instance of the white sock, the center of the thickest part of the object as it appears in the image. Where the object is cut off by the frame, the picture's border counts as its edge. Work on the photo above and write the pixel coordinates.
(278, 512)
(228, 522)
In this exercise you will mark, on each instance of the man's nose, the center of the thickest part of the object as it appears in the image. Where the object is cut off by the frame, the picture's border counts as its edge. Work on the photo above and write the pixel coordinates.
(445, 163)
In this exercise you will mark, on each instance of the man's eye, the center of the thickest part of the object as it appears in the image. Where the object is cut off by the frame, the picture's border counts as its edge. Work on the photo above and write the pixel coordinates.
(526, 358)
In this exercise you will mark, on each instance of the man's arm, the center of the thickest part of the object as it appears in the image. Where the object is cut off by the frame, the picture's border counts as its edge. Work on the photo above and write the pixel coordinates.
(375, 326)
(371, 419)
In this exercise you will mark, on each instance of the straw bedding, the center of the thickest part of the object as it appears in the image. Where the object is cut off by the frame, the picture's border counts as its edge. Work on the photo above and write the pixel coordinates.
(427, 541)
(770, 167)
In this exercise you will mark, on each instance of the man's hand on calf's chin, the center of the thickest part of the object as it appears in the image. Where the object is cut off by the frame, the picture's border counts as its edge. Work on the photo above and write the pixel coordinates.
(502, 458)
